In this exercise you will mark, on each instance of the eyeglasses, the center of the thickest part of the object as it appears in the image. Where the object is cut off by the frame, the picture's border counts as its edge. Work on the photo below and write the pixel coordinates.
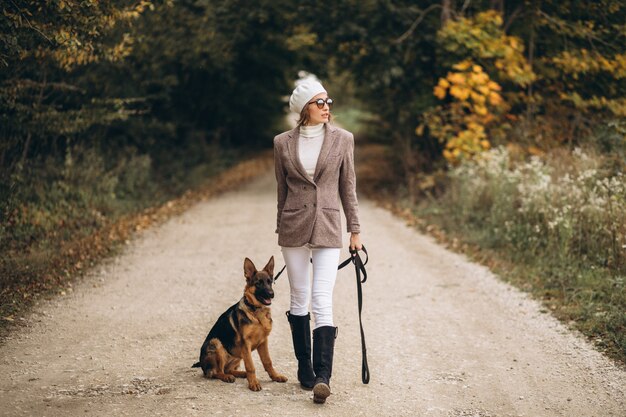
(320, 103)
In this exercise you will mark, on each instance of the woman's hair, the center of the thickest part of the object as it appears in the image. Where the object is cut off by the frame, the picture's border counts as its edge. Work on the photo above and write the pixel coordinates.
(305, 118)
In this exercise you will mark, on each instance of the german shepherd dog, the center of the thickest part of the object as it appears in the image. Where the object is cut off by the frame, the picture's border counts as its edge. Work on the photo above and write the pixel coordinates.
(241, 329)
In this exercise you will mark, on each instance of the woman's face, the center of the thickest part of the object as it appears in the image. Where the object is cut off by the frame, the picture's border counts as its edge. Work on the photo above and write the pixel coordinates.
(316, 115)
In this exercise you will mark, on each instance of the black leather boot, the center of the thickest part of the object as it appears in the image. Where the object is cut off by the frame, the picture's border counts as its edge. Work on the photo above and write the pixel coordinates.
(301, 335)
(323, 350)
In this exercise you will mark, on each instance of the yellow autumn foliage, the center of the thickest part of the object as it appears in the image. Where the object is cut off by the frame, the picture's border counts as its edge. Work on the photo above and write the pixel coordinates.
(584, 62)
(463, 65)
(617, 106)
(73, 48)
(460, 93)
(475, 105)
(456, 78)
(495, 99)
(476, 100)
(483, 36)
(483, 90)
(478, 78)
(439, 92)
(480, 110)
(492, 85)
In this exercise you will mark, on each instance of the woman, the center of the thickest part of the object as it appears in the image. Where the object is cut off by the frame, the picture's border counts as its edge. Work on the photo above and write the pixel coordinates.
(314, 172)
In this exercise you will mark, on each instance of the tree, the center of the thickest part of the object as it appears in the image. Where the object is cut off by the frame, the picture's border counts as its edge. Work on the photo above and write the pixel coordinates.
(42, 45)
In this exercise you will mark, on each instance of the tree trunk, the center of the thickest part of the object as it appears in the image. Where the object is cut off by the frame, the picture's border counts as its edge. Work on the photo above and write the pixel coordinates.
(530, 107)
(36, 109)
(446, 11)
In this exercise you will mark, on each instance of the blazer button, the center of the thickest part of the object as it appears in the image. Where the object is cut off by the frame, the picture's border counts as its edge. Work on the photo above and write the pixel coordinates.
(305, 206)
(314, 205)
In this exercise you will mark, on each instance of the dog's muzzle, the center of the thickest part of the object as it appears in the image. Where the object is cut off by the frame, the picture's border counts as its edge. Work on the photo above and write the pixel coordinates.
(265, 296)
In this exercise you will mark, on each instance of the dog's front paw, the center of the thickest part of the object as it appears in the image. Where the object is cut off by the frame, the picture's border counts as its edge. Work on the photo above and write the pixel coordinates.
(279, 378)
(225, 377)
(254, 385)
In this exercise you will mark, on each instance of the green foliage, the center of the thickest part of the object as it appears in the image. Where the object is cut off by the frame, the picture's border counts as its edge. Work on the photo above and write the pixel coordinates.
(57, 197)
(45, 104)
(217, 67)
(48, 115)
(577, 52)
(70, 32)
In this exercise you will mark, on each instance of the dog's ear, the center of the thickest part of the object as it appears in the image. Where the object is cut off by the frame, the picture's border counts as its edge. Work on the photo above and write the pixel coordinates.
(248, 269)
(269, 268)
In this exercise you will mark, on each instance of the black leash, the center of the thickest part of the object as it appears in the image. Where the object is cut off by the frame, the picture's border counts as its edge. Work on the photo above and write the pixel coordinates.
(359, 267)
(281, 271)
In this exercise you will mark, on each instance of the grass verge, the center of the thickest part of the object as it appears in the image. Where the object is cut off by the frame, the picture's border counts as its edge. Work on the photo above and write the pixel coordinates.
(554, 228)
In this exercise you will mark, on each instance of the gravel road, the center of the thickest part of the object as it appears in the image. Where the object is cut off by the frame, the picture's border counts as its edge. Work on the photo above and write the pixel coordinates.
(445, 337)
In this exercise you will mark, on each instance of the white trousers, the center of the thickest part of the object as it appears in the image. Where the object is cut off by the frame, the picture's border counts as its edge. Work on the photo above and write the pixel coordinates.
(325, 261)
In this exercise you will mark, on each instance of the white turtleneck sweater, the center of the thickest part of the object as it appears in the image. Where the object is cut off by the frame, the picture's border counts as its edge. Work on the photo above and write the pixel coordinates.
(309, 146)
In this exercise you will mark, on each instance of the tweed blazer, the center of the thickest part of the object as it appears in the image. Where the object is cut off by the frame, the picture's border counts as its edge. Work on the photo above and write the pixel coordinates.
(308, 210)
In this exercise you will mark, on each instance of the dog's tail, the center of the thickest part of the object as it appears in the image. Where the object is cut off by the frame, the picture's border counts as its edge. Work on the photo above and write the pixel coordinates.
(196, 365)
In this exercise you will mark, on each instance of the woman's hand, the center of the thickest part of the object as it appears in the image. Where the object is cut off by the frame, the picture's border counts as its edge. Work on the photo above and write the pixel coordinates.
(355, 242)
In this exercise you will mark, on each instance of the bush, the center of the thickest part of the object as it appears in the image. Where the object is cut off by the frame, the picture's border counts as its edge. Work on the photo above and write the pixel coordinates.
(54, 199)
(569, 206)
(557, 222)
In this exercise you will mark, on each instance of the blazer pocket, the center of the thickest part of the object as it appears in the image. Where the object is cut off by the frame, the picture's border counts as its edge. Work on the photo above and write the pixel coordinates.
(331, 220)
(293, 222)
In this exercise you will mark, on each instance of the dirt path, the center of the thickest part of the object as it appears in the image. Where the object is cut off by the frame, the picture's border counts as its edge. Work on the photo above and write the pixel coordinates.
(445, 337)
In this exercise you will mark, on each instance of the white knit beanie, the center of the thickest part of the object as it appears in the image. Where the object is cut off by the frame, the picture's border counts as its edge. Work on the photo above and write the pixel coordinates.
(304, 92)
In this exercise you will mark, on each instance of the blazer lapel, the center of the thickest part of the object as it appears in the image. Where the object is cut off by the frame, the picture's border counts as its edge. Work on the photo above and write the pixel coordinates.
(327, 145)
(293, 148)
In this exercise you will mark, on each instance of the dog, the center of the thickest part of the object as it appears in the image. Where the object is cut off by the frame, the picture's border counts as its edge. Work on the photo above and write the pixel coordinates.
(240, 330)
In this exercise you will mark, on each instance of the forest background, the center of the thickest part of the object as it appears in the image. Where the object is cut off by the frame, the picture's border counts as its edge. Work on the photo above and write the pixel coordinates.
(499, 126)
